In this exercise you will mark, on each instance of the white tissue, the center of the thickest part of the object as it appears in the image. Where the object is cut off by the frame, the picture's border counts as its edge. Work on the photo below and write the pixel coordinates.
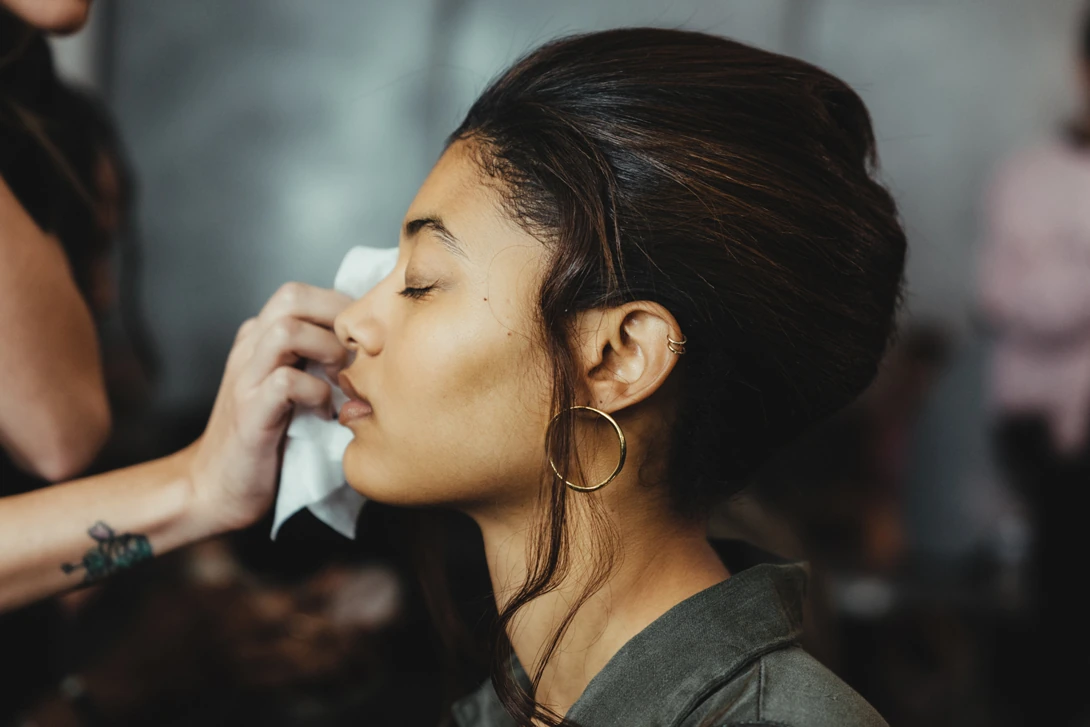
(312, 475)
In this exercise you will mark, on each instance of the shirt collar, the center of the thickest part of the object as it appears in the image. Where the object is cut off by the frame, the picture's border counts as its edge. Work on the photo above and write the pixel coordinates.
(681, 657)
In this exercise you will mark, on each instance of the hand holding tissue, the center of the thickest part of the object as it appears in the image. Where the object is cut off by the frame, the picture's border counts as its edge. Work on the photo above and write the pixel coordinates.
(311, 475)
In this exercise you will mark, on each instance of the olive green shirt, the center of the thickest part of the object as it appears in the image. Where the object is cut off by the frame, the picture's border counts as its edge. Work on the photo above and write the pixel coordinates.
(727, 657)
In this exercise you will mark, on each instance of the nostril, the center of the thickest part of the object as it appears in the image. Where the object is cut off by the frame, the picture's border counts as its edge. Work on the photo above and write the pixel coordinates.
(358, 330)
(340, 329)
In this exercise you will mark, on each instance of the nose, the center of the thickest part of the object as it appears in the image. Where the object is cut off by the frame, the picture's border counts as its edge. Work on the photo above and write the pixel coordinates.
(358, 329)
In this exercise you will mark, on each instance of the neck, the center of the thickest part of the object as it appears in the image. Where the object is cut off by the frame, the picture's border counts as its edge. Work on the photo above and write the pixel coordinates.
(659, 563)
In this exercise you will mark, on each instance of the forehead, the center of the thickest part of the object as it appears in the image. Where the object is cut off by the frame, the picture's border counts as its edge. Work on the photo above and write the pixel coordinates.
(468, 202)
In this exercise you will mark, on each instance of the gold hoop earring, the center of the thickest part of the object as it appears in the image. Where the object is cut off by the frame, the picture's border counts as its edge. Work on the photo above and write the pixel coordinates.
(677, 347)
(620, 438)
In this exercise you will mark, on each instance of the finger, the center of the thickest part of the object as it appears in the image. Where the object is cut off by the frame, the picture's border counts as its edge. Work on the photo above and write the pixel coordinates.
(246, 329)
(242, 348)
(283, 389)
(286, 341)
(310, 303)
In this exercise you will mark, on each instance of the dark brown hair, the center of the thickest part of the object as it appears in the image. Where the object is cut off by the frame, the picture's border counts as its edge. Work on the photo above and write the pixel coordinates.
(731, 185)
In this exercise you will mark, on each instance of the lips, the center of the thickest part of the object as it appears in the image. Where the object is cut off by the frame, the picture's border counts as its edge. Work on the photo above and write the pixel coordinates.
(356, 407)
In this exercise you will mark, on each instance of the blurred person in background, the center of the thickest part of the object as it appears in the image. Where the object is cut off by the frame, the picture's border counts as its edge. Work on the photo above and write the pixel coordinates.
(1035, 298)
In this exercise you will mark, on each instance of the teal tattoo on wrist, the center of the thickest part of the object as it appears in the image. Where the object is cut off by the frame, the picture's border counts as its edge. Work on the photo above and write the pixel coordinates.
(112, 553)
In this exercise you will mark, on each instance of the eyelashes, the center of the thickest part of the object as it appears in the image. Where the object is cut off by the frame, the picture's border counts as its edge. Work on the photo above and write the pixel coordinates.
(416, 293)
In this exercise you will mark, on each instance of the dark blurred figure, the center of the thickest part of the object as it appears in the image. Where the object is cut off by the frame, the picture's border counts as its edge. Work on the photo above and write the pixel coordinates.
(1035, 298)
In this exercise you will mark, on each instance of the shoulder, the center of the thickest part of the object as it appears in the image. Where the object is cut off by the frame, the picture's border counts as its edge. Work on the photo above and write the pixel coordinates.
(785, 688)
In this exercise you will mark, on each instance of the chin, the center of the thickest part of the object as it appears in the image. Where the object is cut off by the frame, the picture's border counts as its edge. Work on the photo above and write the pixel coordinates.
(370, 480)
(404, 489)
(388, 481)
(389, 493)
(58, 17)
(369, 489)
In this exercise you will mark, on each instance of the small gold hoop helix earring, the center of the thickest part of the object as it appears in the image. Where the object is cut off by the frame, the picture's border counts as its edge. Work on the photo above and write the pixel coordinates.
(677, 347)
(620, 438)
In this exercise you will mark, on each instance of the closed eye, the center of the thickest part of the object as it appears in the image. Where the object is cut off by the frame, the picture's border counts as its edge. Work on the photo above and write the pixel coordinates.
(416, 293)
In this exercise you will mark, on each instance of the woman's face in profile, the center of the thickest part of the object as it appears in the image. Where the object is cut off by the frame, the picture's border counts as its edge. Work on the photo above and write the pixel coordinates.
(447, 353)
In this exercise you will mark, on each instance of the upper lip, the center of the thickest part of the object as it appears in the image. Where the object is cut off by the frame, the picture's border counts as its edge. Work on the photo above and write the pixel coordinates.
(348, 388)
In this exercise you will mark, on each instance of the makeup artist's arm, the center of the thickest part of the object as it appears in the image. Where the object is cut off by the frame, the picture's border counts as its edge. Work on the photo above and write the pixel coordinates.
(82, 531)
(54, 416)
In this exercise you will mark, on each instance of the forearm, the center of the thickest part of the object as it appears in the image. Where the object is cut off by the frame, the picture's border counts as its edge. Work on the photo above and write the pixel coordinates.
(46, 545)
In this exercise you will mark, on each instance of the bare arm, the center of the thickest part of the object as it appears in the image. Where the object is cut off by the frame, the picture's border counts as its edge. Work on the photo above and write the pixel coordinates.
(82, 531)
(55, 416)
(79, 532)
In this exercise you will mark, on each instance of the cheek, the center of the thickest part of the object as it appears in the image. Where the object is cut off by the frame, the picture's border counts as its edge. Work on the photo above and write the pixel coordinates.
(460, 414)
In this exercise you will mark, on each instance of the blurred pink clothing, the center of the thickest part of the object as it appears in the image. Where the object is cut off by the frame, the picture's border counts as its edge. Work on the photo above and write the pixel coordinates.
(1035, 288)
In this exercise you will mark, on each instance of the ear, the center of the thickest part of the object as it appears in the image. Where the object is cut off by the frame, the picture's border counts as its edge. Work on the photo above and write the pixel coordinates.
(624, 352)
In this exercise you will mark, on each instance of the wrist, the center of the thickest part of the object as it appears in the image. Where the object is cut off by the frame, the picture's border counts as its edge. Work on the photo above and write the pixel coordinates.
(211, 509)
(194, 518)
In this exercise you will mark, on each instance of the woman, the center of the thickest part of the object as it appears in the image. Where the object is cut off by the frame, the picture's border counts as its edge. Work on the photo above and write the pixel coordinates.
(646, 260)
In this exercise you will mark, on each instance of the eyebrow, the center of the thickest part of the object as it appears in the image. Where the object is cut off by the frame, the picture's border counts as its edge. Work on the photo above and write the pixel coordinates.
(435, 224)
